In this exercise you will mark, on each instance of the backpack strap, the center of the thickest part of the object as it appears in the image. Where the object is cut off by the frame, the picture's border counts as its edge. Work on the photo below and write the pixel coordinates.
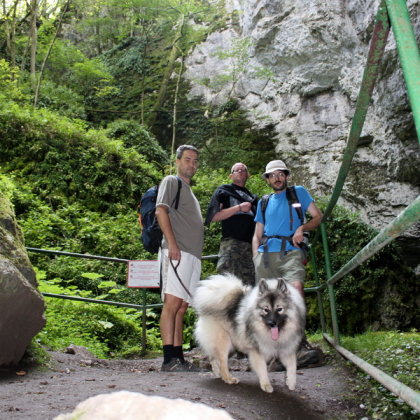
(264, 204)
(293, 200)
(176, 199)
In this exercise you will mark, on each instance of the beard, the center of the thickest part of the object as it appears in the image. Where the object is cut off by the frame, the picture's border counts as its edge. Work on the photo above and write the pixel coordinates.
(279, 186)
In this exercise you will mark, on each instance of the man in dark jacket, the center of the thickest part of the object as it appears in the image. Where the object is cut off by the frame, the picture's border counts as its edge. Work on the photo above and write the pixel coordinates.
(235, 206)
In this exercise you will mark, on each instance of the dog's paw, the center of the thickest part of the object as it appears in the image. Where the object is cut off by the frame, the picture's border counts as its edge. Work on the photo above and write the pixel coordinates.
(231, 380)
(267, 388)
(291, 384)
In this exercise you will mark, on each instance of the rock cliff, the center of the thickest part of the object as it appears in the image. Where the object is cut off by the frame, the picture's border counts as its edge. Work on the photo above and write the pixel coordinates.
(317, 53)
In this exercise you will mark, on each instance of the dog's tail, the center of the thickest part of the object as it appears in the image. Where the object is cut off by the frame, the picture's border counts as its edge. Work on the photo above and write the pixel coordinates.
(216, 293)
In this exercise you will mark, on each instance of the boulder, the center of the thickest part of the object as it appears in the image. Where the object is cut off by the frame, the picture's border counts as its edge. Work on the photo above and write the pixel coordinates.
(126, 405)
(21, 304)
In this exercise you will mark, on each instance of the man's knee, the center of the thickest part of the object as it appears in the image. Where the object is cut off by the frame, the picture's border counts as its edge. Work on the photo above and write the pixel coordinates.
(299, 286)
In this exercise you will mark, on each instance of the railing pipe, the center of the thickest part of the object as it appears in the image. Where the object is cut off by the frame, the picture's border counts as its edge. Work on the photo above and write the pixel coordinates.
(407, 394)
(102, 302)
(94, 257)
(400, 224)
(331, 292)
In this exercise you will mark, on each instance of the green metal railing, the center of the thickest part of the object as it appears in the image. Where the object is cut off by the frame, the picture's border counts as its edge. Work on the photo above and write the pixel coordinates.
(143, 307)
(390, 13)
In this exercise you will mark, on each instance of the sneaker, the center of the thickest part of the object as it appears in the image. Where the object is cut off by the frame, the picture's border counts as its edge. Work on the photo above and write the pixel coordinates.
(190, 367)
(175, 365)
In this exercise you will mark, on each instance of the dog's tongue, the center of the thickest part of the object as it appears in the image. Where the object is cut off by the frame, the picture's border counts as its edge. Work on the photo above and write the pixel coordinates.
(274, 333)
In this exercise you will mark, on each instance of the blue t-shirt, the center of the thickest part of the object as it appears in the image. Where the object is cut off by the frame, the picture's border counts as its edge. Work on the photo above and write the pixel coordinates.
(277, 218)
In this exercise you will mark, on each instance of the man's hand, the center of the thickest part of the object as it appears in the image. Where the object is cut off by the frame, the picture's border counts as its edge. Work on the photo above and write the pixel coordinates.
(298, 236)
(174, 253)
(246, 207)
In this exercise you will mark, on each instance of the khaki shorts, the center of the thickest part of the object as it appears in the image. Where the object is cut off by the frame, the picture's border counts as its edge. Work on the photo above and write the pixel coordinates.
(290, 268)
(189, 271)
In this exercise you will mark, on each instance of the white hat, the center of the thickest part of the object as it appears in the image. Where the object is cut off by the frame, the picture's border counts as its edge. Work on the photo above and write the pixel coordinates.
(275, 165)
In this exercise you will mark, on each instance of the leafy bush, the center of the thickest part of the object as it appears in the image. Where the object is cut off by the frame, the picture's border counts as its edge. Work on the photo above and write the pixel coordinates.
(104, 330)
(383, 281)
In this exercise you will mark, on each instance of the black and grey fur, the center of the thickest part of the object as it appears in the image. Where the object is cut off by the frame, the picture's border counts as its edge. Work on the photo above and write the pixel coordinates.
(263, 322)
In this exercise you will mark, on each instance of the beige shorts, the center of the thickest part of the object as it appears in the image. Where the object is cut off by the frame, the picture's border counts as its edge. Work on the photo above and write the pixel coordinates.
(189, 271)
(291, 267)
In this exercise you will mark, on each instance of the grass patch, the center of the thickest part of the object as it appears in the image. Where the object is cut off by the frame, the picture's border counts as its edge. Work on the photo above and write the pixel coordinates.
(395, 353)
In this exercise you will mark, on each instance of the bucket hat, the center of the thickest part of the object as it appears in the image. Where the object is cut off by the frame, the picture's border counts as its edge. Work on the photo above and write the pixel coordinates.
(275, 165)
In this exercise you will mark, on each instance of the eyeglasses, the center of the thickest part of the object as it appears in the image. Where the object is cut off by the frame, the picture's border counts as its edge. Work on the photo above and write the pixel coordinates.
(239, 170)
(276, 175)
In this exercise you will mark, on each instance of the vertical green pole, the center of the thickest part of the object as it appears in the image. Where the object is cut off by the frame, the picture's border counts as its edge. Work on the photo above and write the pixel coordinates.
(143, 324)
(408, 52)
(318, 292)
(330, 287)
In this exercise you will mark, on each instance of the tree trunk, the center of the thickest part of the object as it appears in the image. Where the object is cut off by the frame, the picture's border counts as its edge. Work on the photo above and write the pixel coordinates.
(33, 30)
(48, 53)
(175, 105)
(175, 52)
(10, 29)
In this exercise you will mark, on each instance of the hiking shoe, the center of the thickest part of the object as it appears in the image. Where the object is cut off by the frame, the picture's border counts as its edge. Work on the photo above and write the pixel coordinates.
(190, 367)
(308, 355)
(176, 365)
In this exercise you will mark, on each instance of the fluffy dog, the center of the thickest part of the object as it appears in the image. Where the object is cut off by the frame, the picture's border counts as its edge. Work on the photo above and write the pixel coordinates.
(263, 322)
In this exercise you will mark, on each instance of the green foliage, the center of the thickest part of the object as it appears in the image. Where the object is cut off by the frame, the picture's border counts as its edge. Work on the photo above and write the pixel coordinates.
(61, 99)
(397, 355)
(104, 330)
(39, 147)
(6, 186)
(383, 281)
(9, 86)
(136, 136)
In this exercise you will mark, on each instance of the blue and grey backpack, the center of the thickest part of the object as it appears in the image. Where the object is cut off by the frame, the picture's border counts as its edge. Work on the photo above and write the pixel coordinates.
(151, 233)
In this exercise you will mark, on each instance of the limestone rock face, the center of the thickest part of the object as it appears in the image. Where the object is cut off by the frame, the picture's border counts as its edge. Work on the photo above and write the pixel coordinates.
(126, 405)
(317, 52)
(21, 304)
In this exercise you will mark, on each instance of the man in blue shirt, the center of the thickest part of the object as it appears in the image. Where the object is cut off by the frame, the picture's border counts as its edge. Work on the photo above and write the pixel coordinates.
(278, 242)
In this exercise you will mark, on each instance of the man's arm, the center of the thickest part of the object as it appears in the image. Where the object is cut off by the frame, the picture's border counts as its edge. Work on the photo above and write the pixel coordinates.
(223, 214)
(162, 216)
(256, 239)
(316, 215)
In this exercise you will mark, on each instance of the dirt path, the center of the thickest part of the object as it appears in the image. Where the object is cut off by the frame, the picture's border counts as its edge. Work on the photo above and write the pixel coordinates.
(28, 393)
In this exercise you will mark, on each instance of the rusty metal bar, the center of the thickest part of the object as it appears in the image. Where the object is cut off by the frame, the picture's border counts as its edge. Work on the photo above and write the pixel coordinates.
(407, 394)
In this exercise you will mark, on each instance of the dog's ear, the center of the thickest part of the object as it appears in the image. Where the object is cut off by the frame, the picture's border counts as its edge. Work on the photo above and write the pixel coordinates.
(262, 286)
(282, 286)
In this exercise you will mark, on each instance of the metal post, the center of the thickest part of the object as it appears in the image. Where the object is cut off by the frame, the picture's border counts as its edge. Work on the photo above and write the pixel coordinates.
(330, 287)
(143, 324)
